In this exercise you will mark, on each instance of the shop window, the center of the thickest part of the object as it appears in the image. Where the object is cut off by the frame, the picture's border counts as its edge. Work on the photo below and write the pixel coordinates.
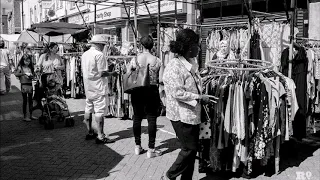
(80, 4)
(59, 4)
(35, 14)
(31, 15)
(72, 5)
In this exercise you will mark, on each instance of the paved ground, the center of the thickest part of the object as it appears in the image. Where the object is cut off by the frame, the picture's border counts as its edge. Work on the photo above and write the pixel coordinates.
(29, 152)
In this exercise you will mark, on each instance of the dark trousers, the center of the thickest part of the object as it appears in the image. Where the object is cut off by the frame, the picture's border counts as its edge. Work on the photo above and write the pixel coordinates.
(184, 165)
(27, 98)
(145, 102)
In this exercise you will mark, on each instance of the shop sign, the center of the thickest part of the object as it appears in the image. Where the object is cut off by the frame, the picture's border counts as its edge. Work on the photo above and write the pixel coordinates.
(165, 6)
(101, 15)
(109, 13)
(78, 19)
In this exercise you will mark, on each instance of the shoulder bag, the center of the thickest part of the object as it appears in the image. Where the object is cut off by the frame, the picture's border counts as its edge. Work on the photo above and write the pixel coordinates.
(136, 78)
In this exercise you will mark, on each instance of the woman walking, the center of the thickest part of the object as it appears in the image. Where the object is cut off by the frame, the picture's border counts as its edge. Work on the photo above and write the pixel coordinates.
(146, 101)
(25, 73)
(182, 85)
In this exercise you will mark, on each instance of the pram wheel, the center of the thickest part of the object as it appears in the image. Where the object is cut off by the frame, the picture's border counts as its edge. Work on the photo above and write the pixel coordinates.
(42, 119)
(48, 124)
(69, 122)
(61, 118)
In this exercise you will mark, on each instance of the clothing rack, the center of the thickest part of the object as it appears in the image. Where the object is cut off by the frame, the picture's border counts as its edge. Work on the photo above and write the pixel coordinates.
(118, 57)
(72, 53)
(238, 64)
(269, 14)
(315, 42)
(308, 39)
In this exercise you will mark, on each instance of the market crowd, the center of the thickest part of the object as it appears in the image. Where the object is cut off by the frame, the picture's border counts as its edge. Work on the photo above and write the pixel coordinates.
(180, 79)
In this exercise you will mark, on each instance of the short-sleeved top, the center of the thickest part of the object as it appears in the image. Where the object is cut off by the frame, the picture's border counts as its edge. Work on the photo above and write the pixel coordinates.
(49, 64)
(4, 60)
(92, 64)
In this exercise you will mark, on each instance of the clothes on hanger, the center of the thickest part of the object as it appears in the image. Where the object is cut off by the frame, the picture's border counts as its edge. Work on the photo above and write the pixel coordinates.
(236, 39)
(166, 35)
(73, 83)
(253, 113)
(299, 76)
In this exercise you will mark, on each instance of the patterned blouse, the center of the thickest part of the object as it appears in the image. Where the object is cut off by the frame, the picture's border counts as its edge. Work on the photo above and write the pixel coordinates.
(182, 91)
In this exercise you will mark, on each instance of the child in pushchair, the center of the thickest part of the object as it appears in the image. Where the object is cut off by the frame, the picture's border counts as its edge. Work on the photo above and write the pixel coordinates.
(54, 105)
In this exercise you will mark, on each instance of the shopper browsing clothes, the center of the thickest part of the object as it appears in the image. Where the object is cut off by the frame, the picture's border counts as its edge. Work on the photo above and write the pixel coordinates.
(146, 100)
(51, 65)
(5, 69)
(182, 84)
(25, 72)
(95, 72)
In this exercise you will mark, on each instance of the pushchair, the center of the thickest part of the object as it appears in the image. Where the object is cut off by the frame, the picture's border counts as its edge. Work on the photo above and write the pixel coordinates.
(53, 106)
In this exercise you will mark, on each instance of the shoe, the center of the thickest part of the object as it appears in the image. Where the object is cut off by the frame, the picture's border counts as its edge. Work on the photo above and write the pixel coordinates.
(153, 153)
(138, 150)
(27, 119)
(164, 177)
(104, 141)
(91, 136)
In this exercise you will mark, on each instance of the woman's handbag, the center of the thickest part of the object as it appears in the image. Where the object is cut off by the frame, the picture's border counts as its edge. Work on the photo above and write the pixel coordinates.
(136, 78)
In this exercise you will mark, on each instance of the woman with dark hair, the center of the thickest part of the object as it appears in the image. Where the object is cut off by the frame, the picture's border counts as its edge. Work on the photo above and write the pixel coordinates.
(182, 85)
(25, 72)
(146, 101)
(51, 65)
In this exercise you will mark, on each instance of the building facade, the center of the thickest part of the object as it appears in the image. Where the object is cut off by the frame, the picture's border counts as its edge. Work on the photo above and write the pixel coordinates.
(109, 19)
(10, 17)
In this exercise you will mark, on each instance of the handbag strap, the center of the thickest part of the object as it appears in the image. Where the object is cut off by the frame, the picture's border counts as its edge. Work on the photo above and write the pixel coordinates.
(136, 60)
(194, 79)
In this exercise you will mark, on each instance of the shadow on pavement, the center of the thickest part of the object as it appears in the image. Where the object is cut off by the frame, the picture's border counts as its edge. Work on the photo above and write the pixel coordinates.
(128, 133)
(11, 105)
(170, 145)
(292, 154)
(28, 151)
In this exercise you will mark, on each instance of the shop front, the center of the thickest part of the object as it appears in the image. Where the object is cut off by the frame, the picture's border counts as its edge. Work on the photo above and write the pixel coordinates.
(108, 21)
(147, 16)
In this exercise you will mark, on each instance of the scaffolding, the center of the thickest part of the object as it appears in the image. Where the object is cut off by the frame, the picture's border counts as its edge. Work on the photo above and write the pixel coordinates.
(127, 4)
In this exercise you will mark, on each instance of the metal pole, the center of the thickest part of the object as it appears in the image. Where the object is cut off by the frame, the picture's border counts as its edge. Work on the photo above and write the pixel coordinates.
(158, 30)
(95, 20)
(175, 13)
(22, 15)
(136, 27)
(0, 19)
(293, 14)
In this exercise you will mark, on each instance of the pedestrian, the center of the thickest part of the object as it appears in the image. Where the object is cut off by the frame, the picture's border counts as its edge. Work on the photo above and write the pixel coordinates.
(182, 85)
(51, 65)
(24, 72)
(95, 73)
(6, 64)
(146, 100)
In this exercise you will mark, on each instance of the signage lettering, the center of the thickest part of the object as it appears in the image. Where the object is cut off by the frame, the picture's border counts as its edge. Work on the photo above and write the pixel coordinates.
(165, 6)
(103, 14)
